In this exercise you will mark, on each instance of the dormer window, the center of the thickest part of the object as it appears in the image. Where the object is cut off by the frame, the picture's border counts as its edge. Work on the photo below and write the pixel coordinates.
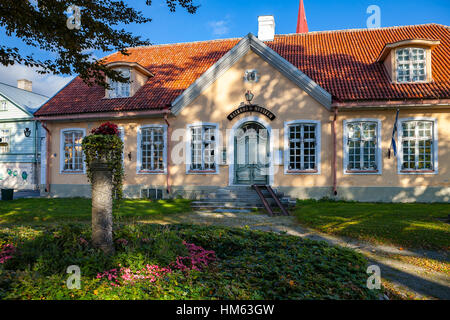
(137, 74)
(408, 61)
(411, 65)
(120, 89)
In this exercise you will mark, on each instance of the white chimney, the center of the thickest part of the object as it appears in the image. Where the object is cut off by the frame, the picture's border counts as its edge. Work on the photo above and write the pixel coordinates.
(266, 28)
(25, 84)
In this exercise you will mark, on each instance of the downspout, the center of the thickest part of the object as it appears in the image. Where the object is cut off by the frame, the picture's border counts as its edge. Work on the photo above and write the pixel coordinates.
(169, 188)
(47, 161)
(334, 151)
(36, 152)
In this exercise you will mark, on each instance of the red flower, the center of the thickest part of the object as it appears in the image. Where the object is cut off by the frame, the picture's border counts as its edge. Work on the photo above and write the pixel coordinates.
(106, 128)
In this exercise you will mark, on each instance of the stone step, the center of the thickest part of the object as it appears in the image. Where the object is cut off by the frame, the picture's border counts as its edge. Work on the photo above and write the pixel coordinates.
(227, 204)
(215, 207)
(229, 195)
(238, 198)
(238, 201)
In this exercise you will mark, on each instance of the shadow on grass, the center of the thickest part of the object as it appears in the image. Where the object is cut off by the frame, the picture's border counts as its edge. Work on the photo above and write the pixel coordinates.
(404, 224)
(79, 209)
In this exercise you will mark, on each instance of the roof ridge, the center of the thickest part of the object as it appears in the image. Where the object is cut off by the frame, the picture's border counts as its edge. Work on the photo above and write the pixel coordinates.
(9, 85)
(365, 29)
(282, 35)
(170, 44)
(189, 42)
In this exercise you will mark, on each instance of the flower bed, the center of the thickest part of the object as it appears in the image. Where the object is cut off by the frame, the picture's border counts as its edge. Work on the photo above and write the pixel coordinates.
(178, 262)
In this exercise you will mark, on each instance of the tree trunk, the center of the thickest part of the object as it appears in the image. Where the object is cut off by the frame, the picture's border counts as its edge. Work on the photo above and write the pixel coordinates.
(102, 187)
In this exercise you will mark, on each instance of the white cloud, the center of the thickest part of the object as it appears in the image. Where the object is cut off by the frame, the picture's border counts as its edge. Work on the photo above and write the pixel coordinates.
(219, 27)
(46, 84)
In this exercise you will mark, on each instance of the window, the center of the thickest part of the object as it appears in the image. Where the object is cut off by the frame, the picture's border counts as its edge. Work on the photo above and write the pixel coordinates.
(362, 146)
(302, 146)
(418, 146)
(4, 138)
(72, 153)
(411, 65)
(251, 76)
(203, 148)
(362, 152)
(152, 149)
(119, 89)
(3, 105)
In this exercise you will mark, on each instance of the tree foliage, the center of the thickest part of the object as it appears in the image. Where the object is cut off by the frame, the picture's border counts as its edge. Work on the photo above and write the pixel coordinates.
(43, 24)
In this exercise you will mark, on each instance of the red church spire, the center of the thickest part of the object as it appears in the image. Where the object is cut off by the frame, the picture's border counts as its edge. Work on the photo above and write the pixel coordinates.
(302, 24)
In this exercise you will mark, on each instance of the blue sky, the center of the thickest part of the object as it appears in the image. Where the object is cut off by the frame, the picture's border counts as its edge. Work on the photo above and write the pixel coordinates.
(217, 19)
(234, 18)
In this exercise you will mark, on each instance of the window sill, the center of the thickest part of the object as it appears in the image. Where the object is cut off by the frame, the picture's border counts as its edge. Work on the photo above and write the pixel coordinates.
(417, 171)
(412, 82)
(72, 172)
(202, 172)
(361, 171)
(151, 172)
(301, 171)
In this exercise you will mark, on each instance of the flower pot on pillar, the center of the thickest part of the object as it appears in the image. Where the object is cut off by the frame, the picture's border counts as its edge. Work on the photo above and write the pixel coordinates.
(102, 204)
(103, 152)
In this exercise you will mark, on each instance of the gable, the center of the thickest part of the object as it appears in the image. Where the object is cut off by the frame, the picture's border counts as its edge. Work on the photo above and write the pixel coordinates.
(251, 43)
(13, 111)
(273, 91)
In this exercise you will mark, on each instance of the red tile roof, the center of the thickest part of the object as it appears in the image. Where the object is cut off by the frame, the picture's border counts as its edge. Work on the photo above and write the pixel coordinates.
(341, 62)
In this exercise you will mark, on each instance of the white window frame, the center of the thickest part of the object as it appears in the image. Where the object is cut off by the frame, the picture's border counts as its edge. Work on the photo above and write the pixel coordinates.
(9, 140)
(379, 160)
(189, 149)
(411, 62)
(3, 105)
(400, 147)
(118, 86)
(122, 137)
(62, 153)
(139, 150)
(287, 124)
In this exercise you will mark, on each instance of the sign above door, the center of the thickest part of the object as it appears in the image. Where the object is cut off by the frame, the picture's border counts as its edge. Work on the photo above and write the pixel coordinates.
(251, 108)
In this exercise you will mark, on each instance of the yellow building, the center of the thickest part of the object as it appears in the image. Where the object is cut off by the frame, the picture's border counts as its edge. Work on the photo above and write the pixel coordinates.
(310, 114)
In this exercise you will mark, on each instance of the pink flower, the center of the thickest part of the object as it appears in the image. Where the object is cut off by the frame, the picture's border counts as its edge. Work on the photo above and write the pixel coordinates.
(122, 242)
(83, 241)
(7, 252)
(197, 259)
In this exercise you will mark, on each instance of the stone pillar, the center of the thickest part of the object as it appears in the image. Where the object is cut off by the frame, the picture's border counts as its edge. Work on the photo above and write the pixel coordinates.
(102, 203)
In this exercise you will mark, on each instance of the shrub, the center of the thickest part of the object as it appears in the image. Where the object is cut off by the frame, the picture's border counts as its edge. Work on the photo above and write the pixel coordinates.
(179, 262)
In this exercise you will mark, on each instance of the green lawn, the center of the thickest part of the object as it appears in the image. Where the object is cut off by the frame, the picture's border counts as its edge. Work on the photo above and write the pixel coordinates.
(79, 209)
(402, 224)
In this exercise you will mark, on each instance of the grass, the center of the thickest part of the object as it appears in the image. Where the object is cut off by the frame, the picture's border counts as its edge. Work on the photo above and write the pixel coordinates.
(244, 264)
(79, 209)
(413, 225)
